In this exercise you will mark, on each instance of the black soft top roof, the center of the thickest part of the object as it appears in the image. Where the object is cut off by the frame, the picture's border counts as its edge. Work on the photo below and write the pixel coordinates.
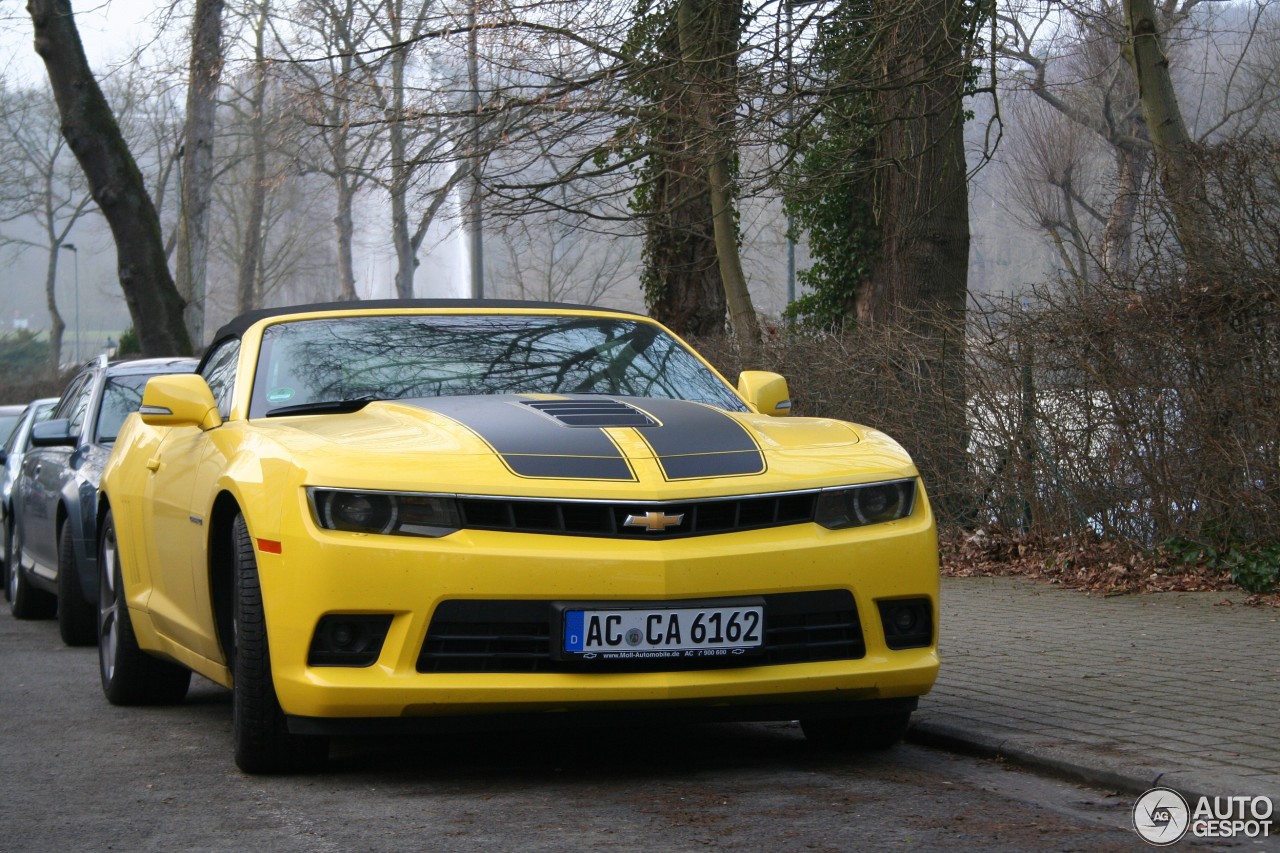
(239, 325)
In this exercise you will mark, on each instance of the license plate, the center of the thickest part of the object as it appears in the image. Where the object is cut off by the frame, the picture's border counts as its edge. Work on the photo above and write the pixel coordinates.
(662, 632)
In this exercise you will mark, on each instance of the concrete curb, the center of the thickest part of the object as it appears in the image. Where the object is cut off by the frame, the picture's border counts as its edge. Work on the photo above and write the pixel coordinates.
(1073, 766)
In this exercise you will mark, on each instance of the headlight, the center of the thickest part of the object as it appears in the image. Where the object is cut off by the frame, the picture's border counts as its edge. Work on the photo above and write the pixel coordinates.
(395, 513)
(870, 504)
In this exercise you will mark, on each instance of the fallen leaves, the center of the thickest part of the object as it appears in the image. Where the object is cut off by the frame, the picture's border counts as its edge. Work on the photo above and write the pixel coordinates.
(1085, 562)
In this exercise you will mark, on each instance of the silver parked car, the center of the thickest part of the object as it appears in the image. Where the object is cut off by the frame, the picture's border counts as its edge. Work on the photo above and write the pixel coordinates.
(15, 447)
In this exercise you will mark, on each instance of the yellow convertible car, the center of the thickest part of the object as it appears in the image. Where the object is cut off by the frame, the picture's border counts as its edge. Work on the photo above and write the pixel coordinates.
(393, 517)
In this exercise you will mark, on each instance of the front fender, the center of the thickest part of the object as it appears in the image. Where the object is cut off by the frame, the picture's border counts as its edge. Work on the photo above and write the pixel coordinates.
(80, 498)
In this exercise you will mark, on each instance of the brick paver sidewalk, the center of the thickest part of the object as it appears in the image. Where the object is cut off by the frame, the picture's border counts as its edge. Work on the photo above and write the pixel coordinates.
(1174, 689)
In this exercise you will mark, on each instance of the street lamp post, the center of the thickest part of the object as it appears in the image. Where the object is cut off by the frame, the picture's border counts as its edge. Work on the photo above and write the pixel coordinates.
(71, 247)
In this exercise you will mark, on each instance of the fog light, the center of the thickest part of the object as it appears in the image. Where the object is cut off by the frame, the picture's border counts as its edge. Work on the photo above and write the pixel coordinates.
(908, 623)
(348, 639)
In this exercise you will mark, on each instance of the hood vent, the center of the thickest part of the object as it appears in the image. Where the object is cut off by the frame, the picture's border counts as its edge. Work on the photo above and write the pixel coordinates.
(598, 414)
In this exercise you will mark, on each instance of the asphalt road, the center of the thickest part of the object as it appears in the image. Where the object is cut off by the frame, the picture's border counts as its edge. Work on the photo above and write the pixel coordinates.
(77, 774)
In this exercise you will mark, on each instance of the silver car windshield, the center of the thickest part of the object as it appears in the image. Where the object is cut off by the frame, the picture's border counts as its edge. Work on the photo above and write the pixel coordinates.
(308, 362)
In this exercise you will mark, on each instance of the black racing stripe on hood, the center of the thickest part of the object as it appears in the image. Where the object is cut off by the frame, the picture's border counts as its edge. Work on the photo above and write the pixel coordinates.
(532, 444)
(696, 441)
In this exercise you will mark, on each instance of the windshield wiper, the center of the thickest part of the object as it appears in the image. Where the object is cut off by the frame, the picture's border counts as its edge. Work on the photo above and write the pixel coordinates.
(324, 407)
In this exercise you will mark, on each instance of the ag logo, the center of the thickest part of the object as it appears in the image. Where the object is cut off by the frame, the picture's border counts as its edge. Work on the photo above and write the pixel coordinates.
(1161, 816)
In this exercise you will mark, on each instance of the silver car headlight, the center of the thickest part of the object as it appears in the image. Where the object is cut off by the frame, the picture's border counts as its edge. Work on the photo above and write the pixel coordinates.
(873, 503)
(392, 513)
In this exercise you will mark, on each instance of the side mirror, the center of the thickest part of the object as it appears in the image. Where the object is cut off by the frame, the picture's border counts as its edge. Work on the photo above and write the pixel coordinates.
(53, 434)
(766, 392)
(179, 399)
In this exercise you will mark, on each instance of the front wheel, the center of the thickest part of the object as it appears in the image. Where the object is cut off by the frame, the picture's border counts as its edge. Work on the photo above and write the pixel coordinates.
(856, 733)
(130, 676)
(262, 739)
(76, 617)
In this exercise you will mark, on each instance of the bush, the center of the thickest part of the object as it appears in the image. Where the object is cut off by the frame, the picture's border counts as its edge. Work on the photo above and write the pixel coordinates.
(24, 366)
(1138, 406)
(129, 345)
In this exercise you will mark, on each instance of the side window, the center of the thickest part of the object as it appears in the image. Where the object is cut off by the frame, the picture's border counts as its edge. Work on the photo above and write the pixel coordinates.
(68, 399)
(75, 402)
(220, 372)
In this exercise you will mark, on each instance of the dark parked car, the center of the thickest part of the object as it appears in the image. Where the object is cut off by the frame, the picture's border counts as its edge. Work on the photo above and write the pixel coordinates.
(15, 447)
(54, 556)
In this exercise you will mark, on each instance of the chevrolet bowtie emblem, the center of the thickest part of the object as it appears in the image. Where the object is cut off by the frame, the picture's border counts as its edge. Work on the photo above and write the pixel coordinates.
(654, 521)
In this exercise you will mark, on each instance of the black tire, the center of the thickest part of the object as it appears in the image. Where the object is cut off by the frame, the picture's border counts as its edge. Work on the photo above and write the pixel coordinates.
(130, 676)
(856, 733)
(25, 601)
(77, 618)
(263, 743)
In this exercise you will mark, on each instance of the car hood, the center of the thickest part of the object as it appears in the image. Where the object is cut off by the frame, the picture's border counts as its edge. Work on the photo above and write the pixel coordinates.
(547, 442)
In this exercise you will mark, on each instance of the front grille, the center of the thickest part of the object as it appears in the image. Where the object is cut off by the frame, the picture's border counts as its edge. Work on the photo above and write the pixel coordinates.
(517, 636)
(609, 519)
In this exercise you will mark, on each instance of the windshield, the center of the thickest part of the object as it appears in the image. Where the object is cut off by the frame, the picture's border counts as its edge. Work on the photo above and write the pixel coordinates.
(407, 356)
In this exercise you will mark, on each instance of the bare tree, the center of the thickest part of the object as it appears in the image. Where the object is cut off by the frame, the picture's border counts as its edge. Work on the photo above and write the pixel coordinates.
(547, 259)
(42, 182)
(198, 164)
(247, 277)
(330, 141)
(1077, 61)
(1175, 150)
(151, 118)
(266, 236)
(709, 32)
(1052, 164)
(919, 278)
(91, 131)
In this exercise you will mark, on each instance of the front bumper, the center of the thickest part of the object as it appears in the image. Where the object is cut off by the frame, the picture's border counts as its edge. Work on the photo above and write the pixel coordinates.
(321, 572)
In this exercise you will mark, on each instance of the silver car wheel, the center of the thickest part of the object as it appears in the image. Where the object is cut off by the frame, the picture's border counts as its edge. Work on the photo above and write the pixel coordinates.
(108, 606)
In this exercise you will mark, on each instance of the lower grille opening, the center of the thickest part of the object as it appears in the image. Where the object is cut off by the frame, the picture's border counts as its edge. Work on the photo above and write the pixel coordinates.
(517, 636)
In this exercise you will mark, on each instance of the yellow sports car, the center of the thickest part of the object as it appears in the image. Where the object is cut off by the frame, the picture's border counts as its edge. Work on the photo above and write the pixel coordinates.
(404, 516)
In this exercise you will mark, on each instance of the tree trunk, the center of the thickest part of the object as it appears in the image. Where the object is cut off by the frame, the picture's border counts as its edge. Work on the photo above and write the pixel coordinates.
(94, 137)
(407, 263)
(249, 288)
(56, 325)
(709, 31)
(344, 185)
(1117, 236)
(1180, 175)
(682, 275)
(742, 314)
(344, 226)
(197, 174)
(920, 277)
(401, 170)
(1221, 311)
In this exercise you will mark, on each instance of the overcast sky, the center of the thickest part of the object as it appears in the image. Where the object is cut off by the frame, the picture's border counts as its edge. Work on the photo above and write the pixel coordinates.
(109, 30)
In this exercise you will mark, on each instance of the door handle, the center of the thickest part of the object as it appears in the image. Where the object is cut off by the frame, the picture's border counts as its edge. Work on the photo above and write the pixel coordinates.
(153, 464)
